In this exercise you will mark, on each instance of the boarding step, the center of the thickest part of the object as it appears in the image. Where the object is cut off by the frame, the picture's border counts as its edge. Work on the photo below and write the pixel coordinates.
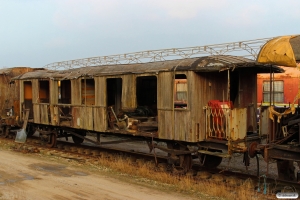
(219, 154)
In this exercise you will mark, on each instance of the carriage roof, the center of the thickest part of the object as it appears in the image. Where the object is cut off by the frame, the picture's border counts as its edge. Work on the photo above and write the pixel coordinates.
(199, 64)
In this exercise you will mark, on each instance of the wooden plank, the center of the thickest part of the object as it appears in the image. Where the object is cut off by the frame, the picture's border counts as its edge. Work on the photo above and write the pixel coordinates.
(44, 114)
(76, 92)
(25, 119)
(36, 112)
(100, 119)
(87, 117)
(129, 92)
(100, 91)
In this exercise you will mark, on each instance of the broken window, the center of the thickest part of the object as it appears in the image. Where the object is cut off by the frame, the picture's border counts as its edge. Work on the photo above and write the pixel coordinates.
(28, 97)
(64, 92)
(114, 93)
(44, 91)
(180, 91)
(146, 94)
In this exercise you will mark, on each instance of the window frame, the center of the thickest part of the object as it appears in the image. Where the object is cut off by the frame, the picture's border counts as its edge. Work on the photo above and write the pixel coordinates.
(278, 91)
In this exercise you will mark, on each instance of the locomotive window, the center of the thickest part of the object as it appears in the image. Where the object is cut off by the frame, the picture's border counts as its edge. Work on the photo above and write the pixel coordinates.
(277, 87)
(88, 91)
(64, 92)
(44, 91)
(180, 91)
(146, 94)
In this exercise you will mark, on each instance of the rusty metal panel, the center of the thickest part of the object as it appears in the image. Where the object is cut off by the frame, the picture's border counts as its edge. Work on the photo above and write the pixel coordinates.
(264, 122)
(44, 113)
(76, 92)
(247, 97)
(100, 119)
(129, 92)
(238, 123)
(100, 91)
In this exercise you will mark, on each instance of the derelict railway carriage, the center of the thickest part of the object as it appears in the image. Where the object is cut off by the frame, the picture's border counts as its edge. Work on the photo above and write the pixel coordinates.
(203, 107)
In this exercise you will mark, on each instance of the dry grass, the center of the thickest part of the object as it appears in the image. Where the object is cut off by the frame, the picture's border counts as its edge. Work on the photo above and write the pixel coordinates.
(147, 172)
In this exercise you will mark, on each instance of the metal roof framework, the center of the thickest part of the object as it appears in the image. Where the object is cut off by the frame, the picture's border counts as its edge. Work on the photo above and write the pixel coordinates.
(248, 49)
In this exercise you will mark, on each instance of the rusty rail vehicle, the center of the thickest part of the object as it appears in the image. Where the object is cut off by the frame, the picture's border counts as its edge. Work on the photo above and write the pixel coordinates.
(200, 107)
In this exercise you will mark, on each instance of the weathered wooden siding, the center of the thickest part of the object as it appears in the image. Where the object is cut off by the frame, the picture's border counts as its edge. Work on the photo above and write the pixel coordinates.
(100, 119)
(248, 95)
(164, 105)
(129, 92)
(100, 115)
(54, 118)
(86, 115)
(22, 98)
(53, 92)
(44, 113)
(76, 92)
(165, 91)
(35, 101)
(196, 117)
(173, 123)
(88, 91)
(100, 91)
(10, 93)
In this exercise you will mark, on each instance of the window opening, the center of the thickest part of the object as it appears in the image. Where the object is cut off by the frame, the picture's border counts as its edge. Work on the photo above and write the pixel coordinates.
(44, 91)
(88, 91)
(28, 97)
(114, 93)
(180, 91)
(146, 93)
(64, 96)
(64, 92)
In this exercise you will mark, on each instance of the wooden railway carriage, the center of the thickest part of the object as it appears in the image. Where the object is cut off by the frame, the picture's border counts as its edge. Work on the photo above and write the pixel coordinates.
(207, 102)
(10, 97)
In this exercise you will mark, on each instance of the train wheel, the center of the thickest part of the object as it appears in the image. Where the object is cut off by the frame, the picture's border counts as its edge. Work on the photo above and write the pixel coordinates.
(77, 140)
(51, 140)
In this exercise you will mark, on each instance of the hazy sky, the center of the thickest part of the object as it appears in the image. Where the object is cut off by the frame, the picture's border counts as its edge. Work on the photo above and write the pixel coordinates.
(38, 32)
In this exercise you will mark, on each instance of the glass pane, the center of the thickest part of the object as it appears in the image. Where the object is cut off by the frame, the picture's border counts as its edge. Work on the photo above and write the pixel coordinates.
(276, 85)
(278, 97)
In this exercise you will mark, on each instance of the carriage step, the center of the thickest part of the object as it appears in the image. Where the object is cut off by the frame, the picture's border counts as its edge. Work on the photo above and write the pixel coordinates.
(219, 154)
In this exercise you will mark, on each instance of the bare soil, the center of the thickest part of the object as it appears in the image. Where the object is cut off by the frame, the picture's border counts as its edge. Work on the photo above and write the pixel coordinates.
(38, 176)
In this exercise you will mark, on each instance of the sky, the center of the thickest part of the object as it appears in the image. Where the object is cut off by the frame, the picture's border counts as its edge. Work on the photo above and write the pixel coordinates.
(35, 33)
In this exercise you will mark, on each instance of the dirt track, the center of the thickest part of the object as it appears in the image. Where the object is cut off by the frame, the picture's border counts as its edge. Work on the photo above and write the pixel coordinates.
(25, 176)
